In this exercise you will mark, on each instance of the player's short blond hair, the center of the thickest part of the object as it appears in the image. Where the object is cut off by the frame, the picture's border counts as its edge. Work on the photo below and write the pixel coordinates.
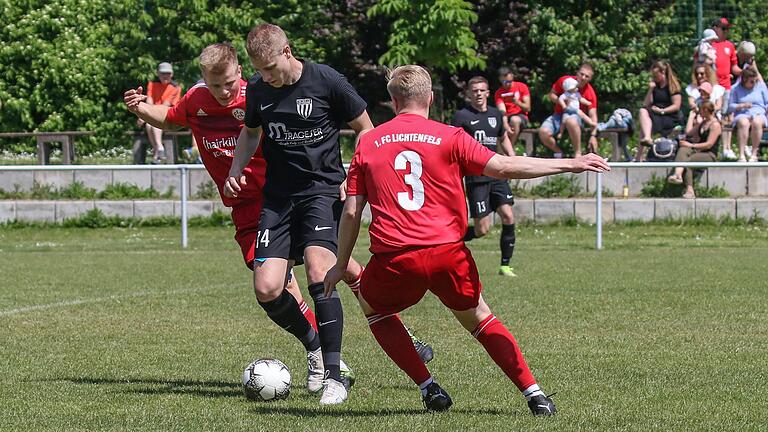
(217, 58)
(409, 84)
(265, 41)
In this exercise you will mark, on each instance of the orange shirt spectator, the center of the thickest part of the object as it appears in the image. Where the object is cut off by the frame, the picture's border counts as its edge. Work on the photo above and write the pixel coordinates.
(163, 90)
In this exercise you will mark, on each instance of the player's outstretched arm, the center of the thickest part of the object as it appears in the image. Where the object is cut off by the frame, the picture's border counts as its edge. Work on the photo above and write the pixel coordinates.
(528, 167)
(349, 229)
(155, 115)
(247, 144)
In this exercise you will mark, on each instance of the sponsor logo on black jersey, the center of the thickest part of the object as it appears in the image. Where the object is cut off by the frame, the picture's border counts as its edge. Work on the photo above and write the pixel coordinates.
(304, 107)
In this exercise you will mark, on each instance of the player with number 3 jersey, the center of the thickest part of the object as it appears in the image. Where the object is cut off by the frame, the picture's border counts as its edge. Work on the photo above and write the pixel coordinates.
(410, 170)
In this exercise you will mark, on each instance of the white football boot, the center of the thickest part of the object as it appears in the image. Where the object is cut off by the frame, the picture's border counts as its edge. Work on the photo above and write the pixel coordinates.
(334, 393)
(315, 371)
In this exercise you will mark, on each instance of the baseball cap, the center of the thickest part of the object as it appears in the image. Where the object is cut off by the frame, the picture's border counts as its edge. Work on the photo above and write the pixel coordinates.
(705, 86)
(165, 67)
(570, 84)
(721, 22)
(709, 35)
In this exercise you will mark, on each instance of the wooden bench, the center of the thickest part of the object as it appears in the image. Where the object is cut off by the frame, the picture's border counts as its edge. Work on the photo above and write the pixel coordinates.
(170, 142)
(617, 137)
(45, 139)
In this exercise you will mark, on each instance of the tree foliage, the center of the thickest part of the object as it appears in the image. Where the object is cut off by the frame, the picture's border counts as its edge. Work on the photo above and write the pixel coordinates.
(434, 33)
(64, 65)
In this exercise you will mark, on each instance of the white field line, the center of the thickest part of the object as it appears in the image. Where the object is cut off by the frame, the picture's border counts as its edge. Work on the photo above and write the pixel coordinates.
(76, 302)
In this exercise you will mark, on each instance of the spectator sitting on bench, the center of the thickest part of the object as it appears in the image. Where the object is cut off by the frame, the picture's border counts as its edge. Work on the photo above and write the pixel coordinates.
(551, 126)
(701, 74)
(661, 107)
(162, 91)
(704, 94)
(700, 145)
(749, 100)
(513, 99)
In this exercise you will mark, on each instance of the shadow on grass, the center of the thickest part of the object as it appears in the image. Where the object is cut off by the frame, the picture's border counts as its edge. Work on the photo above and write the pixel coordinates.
(220, 389)
(212, 389)
(353, 412)
(208, 389)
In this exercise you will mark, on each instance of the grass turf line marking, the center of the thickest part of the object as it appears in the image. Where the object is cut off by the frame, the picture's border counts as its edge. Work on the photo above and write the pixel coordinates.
(76, 302)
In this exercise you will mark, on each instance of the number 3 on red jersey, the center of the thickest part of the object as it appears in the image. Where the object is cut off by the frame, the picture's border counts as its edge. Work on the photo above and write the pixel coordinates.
(413, 180)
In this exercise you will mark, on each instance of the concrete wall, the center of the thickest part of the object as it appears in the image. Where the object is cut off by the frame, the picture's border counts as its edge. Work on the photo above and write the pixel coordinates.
(540, 211)
(162, 181)
(737, 181)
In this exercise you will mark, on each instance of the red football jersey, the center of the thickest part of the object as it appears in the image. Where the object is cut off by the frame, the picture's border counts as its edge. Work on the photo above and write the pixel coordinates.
(588, 93)
(411, 169)
(517, 91)
(216, 128)
(724, 59)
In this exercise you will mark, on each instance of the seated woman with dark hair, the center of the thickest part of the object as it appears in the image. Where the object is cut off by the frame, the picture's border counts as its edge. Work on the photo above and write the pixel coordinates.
(700, 145)
(661, 107)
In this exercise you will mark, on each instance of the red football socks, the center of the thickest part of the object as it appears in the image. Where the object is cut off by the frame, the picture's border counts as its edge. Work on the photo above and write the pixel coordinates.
(503, 349)
(394, 340)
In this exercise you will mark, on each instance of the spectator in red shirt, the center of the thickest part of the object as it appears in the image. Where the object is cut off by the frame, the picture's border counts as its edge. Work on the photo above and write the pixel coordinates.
(513, 99)
(726, 62)
(162, 91)
(726, 65)
(572, 124)
(409, 170)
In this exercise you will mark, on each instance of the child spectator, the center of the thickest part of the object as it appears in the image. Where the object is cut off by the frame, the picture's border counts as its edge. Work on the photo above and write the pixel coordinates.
(705, 52)
(571, 101)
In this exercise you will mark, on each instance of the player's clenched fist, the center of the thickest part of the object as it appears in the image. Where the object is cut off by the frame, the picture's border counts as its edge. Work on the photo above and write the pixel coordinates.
(589, 162)
(233, 185)
(133, 97)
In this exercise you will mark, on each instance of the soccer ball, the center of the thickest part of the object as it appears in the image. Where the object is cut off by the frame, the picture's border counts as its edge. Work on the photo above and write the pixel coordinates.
(266, 380)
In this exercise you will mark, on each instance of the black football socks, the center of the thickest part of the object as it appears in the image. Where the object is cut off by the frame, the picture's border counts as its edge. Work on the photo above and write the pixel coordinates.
(507, 243)
(330, 323)
(285, 312)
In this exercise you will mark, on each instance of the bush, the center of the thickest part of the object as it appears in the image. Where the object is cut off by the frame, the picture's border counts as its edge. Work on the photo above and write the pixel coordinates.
(95, 218)
(658, 187)
(78, 191)
(562, 186)
(207, 190)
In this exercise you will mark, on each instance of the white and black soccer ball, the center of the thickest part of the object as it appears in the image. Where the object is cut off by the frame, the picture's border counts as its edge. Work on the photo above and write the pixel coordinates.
(266, 379)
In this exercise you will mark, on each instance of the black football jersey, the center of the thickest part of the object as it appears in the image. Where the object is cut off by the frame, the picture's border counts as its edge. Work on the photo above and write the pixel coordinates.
(301, 124)
(485, 127)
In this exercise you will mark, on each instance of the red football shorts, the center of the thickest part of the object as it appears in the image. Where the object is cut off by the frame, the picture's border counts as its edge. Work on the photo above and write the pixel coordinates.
(245, 216)
(395, 281)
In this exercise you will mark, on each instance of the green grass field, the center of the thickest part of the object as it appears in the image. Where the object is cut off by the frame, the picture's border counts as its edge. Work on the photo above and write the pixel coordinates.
(119, 329)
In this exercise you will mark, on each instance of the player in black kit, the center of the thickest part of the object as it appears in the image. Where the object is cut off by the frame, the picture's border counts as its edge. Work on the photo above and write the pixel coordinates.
(300, 107)
(486, 194)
